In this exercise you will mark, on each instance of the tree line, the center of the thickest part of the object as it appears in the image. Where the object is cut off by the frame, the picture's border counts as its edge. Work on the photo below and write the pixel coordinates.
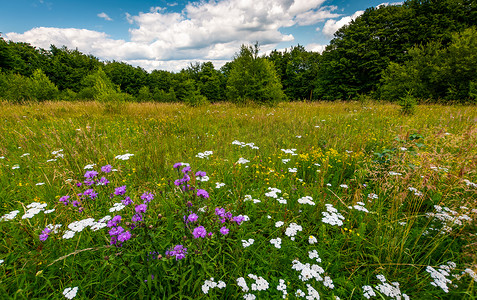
(423, 48)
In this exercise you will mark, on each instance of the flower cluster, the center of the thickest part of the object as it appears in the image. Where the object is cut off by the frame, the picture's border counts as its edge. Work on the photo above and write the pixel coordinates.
(117, 233)
(178, 251)
(306, 200)
(332, 216)
(292, 230)
(210, 284)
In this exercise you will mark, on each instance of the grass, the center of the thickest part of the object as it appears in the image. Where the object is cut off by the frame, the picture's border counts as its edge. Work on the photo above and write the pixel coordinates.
(403, 184)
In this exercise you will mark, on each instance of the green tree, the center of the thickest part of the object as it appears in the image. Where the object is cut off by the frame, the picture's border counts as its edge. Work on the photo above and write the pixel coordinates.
(41, 88)
(144, 94)
(253, 78)
(98, 86)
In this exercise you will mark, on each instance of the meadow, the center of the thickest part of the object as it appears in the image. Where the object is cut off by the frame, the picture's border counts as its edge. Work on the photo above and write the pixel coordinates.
(324, 200)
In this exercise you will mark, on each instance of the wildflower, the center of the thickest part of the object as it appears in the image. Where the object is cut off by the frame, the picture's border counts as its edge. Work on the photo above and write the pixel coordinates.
(292, 170)
(312, 293)
(372, 196)
(242, 161)
(90, 174)
(103, 181)
(218, 185)
(210, 284)
(117, 207)
(312, 240)
(273, 192)
(306, 200)
(115, 221)
(292, 230)
(44, 234)
(202, 193)
(10, 216)
(241, 283)
(124, 156)
(276, 242)
(68, 234)
(70, 293)
(344, 186)
(127, 201)
(206, 154)
(119, 191)
(282, 287)
(300, 293)
(279, 224)
(199, 232)
(285, 160)
(124, 236)
(247, 243)
(141, 208)
(89, 167)
(192, 217)
(186, 169)
(368, 292)
(178, 251)
(392, 173)
(136, 218)
(64, 199)
(260, 283)
(147, 197)
(314, 255)
(224, 230)
(331, 216)
(91, 193)
(238, 219)
(328, 282)
(106, 169)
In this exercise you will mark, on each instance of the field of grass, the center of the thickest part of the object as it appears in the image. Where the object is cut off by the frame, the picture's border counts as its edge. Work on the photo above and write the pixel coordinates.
(303, 200)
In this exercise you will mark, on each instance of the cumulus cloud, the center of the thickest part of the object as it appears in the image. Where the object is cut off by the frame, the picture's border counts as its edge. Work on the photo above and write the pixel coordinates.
(331, 26)
(315, 47)
(209, 31)
(103, 15)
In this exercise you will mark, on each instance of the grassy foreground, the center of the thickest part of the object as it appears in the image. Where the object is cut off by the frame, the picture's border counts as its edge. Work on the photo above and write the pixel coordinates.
(303, 200)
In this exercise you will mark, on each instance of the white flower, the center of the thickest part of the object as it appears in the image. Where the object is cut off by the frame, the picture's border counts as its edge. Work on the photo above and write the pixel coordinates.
(68, 234)
(285, 160)
(328, 282)
(289, 151)
(1, 261)
(205, 154)
(331, 216)
(282, 200)
(394, 173)
(70, 293)
(292, 170)
(314, 255)
(247, 243)
(54, 228)
(273, 192)
(368, 292)
(241, 283)
(306, 200)
(15, 167)
(276, 242)
(40, 183)
(117, 207)
(300, 293)
(89, 167)
(279, 224)
(124, 156)
(249, 198)
(249, 297)
(49, 211)
(10, 216)
(344, 186)
(24, 154)
(312, 240)
(372, 196)
(312, 293)
(218, 185)
(242, 161)
(292, 230)
(260, 283)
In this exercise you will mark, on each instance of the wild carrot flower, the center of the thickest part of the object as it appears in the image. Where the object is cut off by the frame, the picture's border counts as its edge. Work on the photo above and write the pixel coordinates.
(70, 293)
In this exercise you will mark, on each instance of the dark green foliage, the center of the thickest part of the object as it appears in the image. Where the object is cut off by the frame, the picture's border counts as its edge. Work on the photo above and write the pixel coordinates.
(353, 62)
(253, 78)
(408, 103)
(435, 71)
(128, 78)
(41, 88)
(297, 70)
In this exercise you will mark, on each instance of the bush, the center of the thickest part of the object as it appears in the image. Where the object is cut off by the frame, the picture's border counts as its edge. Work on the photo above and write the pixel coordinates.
(41, 88)
(408, 103)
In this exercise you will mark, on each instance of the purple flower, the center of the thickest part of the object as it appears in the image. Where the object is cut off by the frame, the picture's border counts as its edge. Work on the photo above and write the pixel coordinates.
(178, 251)
(199, 232)
(220, 211)
(103, 181)
(106, 169)
(177, 165)
(116, 231)
(136, 218)
(186, 170)
(79, 184)
(124, 236)
(90, 174)
(192, 218)
(202, 193)
(147, 197)
(238, 219)
(224, 230)
(76, 203)
(127, 201)
(89, 182)
(177, 182)
(91, 193)
(228, 215)
(141, 208)
(189, 204)
(200, 174)
(44, 234)
(120, 190)
(114, 221)
(185, 179)
(65, 200)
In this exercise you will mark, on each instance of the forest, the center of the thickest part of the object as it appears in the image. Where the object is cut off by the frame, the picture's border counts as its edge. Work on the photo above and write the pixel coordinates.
(423, 48)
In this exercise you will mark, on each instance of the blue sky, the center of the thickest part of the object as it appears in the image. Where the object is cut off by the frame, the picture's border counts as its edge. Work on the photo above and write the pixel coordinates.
(169, 35)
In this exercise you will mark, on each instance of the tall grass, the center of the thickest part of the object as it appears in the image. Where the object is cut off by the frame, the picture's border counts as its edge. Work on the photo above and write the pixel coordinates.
(404, 185)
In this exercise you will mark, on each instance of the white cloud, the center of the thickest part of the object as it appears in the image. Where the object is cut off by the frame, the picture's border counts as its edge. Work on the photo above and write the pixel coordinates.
(388, 4)
(202, 31)
(315, 47)
(103, 15)
(331, 26)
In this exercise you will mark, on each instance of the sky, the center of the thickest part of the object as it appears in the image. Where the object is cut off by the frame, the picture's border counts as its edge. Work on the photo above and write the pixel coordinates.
(170, 35)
